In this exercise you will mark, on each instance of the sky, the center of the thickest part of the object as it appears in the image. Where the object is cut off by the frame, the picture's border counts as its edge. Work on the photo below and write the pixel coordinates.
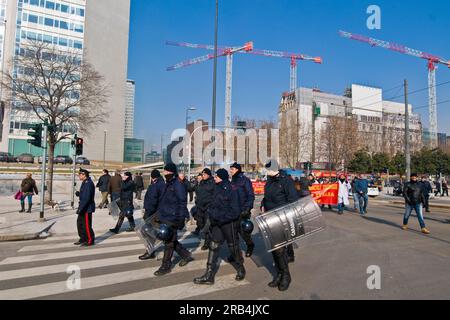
(309, 27)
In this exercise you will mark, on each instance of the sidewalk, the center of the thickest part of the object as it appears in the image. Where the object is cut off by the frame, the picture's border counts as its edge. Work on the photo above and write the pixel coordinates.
(15, 226)
(435, 202)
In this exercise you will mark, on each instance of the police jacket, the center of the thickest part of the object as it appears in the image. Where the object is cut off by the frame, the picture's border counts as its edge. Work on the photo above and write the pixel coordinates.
(126, 194)
(103, 183)
(413, 193)
(204, 194)
(279, 191)
(87, 196)
(426, 188)
(244, 188)
(153, 196)
(29, 186)
(186, 184)
(225, 207)
(173, 205)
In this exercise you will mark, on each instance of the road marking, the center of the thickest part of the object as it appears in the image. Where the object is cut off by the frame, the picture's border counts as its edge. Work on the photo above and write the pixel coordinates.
(184, 290)
(71, 245)
(60, 287)
(75, 237)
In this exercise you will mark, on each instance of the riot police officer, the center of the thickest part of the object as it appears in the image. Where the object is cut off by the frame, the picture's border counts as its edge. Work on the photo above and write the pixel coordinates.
(86, 208)
(173, 212)
(224, 213)
(279, 191)
(126, 203)
(204, 193)
(152, 200)
(243, 186)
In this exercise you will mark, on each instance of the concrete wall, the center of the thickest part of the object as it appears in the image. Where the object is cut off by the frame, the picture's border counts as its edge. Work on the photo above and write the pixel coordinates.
(106, 42)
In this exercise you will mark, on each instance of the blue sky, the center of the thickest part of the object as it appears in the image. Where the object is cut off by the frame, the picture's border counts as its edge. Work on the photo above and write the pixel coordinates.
(309, 27)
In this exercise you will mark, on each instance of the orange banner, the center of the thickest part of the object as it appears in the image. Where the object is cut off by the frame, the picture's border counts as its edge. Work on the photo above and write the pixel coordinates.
(326, 194)
(258, 187)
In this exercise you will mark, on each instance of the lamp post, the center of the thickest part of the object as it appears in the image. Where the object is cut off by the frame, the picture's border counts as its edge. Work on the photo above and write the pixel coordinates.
(187, 120)
(104, 149)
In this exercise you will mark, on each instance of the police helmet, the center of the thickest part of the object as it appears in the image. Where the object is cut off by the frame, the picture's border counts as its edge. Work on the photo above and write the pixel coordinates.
(247, 226)
(164, 233)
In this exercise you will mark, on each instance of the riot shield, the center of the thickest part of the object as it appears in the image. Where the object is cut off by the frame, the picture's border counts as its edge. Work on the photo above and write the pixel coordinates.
(115, 209)
(290, 223)
(147, 232)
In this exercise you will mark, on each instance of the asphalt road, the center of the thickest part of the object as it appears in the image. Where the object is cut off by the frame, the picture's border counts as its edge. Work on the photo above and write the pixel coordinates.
(330, 265)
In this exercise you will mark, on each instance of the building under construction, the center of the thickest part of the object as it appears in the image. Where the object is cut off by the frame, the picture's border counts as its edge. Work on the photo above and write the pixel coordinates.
(322, 127)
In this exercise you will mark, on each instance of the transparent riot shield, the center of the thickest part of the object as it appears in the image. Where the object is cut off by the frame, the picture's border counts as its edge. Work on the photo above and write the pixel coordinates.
(147, 233)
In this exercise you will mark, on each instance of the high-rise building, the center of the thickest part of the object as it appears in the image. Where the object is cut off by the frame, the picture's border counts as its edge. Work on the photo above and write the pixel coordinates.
(129, 110)
(98, 31)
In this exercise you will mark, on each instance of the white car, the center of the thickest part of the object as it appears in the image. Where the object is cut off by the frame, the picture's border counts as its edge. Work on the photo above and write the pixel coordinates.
(373, 192)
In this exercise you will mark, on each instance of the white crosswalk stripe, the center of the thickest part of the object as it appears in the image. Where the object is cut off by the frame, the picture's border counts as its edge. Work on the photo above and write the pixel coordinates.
(30, 284)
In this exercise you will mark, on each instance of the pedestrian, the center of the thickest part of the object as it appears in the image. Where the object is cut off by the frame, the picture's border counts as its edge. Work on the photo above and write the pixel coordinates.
(414, 199)
(244, 188)
(29, 189)
(204, 196)
(444, 188)
(362, 190)
(139, 183)
(173, 212)
(126, 203)
(438, 188)
(115, 186)
(343, 194)
(152, 200)
(187, 185)
(427, 189)
(86, 207)
(103, 187)
(224, 213)
(355, 195)
(278, 191)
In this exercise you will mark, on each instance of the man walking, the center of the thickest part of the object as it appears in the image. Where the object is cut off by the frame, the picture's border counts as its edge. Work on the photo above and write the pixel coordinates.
(103, 187)
(204, 196)
(115, 186)
(362, 190)
(139, 183)
(426, 190)
(244, 188)
(86, 208)
(28, 188)
(355, 195)
(414, 199)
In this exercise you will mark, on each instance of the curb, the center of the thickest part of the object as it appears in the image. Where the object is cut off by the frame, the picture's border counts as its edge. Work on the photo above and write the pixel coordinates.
(27, 236)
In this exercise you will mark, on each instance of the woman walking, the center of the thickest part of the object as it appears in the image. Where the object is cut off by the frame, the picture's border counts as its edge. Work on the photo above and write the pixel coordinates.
(29, 189)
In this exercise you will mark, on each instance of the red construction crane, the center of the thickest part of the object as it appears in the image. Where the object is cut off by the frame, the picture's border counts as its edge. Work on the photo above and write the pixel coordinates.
(432, 61)
(293, 57)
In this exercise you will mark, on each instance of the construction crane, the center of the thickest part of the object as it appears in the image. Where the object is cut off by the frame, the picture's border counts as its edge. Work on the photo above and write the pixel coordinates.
(293, 57)
(432, 62)
(228, 52)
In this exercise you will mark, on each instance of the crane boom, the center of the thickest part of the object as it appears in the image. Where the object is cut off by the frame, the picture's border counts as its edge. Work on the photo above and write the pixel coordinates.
(395, 47)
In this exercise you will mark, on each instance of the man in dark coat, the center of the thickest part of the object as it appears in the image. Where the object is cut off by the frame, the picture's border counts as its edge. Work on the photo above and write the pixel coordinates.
(204, 194)
(244, 188)
(126, 203)
(103, 187)
(115, 186)
(173, 212)
(86, 208)
(28, 188)
(139, 183)
(224, 213)
(279, 191)
(426, 190)
(414, 200)
(152, 200)
(187, 185)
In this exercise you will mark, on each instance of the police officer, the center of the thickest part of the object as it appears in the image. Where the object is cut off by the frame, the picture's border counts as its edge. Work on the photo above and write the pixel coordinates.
(152, 200)
(279, 191)
(243, 186)
(126, 203)
(224, 212)
(203, 197)
(173, 212)
(86, 207)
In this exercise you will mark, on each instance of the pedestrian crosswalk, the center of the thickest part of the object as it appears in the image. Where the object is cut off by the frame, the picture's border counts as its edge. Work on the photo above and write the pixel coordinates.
(109, 270)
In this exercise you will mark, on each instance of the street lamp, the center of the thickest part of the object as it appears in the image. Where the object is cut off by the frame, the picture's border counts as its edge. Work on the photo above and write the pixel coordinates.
(187, 120)
(104, 149)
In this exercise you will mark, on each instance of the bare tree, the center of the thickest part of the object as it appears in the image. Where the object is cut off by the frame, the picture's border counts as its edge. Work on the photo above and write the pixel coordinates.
(60, 88)
(295, 140)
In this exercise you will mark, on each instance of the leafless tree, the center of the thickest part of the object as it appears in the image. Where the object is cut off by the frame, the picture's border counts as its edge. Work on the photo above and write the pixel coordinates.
(295, 140)
(60, 88)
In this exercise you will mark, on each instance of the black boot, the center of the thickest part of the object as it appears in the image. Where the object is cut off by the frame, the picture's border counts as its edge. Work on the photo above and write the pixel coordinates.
(290, 253)
(118, 225)
(167, 259)
(237, 262)
(208, 277)
(277, 278)
(132, 224)
(29, 208)
(249, 251)
(147, 256)
(285, 280)
(23, 207)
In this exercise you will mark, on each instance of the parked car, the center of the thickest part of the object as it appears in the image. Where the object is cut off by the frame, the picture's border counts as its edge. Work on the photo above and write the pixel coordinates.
(7, 157)
(83, 161)
(40, 159)
(25, 158)
(62, 160)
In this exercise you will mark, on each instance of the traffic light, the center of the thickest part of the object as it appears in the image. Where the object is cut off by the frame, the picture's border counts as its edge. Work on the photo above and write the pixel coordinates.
(36, 133)
(308, 166)
(79, 146)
